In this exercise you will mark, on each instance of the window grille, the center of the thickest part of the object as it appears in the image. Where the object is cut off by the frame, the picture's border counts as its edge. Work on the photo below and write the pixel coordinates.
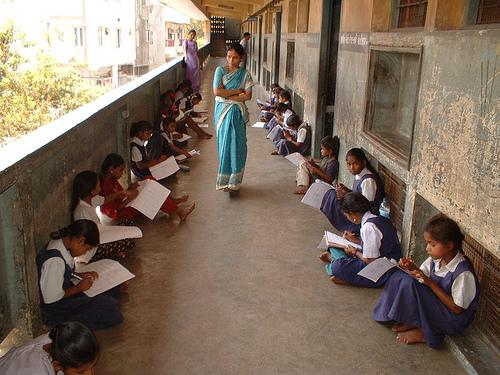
(410, 13)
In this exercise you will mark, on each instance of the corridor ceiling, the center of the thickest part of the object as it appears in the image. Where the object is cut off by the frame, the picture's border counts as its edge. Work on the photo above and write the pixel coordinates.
(203, 9)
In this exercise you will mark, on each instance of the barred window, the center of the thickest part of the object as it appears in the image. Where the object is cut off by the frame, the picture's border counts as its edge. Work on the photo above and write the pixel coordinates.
(410, 13)
(488, 12)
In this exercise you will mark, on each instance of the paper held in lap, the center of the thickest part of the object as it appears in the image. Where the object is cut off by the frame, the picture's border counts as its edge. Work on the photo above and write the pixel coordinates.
(111, 233)
(334, 240)
(183, 157)
(200, 108)
(295, 158)
(314, 195)
(150, 199)
(111, 273)
(259, 124)
(376, 269)
(164, 169)
(199, 120)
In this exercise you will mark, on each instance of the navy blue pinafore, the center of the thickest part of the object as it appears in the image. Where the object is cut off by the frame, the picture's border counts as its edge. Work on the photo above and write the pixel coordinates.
(101, 311)
(139, 173)
(347, 268)
(405, 300)
(332, 206)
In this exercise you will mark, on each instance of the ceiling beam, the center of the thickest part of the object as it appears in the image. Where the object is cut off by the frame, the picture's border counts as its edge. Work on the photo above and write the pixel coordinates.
(237, 12)
(240, 2)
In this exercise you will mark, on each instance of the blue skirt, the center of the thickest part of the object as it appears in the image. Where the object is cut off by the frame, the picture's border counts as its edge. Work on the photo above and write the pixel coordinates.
(347, 269)
(101, 311)
(332, 208)
(405, 300)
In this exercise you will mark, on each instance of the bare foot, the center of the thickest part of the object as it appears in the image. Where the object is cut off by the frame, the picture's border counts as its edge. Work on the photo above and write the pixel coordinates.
(400, 327)
(301, 189)
(205, 136)
(326, 257)
(274, 153)
(181, 199)
(184, 212)
(413, 336)
(338, 281)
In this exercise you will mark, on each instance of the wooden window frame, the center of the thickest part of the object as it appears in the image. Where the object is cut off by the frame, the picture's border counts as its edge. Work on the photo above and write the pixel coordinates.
(396, 13)
(377, 139)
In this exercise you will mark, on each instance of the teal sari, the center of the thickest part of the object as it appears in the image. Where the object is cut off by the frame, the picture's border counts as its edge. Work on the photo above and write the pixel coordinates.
(230, 119)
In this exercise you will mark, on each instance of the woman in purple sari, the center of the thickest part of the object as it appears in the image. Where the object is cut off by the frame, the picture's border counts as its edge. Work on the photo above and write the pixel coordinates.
(193, 72)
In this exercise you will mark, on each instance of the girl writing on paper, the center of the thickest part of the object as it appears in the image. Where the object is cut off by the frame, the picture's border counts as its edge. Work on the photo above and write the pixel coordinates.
(116, 208)
(232, 88)
(366, 182)
(62, 301)
(327, 169)
(446, 300)
(85, 200)
(69, 348)
(378, 238)
(296, 137)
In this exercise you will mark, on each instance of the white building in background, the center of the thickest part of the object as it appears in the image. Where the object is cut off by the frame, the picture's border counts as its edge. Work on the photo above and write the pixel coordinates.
(113, 39)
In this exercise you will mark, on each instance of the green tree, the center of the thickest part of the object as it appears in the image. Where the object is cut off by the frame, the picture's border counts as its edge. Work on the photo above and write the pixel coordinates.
(32, 95)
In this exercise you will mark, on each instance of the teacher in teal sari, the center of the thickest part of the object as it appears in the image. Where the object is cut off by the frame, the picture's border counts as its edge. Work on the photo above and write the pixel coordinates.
(232, 88)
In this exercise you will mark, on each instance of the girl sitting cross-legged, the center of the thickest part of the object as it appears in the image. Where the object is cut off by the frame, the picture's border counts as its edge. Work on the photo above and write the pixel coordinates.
(378, 238)
(61, 300)
(326, 170)
(445, 299)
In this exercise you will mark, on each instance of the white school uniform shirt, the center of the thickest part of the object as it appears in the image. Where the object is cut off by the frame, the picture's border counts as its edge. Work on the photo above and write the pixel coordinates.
(29, 359)
(368, 186)
(52, 272)
(301, 135)
(135, 152)
(88, 212)
(371, 237)
(463, 289)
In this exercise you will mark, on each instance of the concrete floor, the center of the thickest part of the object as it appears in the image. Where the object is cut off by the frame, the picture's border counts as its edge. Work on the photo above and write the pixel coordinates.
(238, 288)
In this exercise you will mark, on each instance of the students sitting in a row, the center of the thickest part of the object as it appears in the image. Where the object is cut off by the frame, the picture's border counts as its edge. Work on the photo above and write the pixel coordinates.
(69, 348)
(326, 169)
(267, 108)
(61, 300)
(296, 137)
(285, 98)
(141, 132)
(366, 181)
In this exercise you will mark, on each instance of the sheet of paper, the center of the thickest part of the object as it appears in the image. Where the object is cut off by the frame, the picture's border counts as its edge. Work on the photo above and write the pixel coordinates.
(200, 108)
(164, 169)
(335, 240)
(323, 245)
(183, 138)
(259, 124)
(150, 199)
(183, 157)
(314, 195)
(374, 270)
(203, 125)
(111, 233)
(199, 120)
(111, 273)
(295, 158)
(261, 102)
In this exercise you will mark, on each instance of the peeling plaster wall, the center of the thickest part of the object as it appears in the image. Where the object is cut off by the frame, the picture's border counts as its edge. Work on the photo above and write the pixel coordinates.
(455, 157)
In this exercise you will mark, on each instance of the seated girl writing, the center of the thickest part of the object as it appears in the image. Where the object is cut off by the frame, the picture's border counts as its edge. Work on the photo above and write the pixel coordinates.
(445, 299)
(326, 170)
(378, 238)
(61, 300)
(69, 348)
(366, 181)
(112, 170)
(299, 142)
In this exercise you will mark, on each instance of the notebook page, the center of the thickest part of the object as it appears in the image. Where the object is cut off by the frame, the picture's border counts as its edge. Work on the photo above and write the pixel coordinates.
(164, 169)
(111, 273)
(150, 199)
(314, 195)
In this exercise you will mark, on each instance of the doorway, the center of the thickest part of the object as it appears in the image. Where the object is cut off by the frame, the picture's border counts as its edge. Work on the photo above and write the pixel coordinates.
(329, 44)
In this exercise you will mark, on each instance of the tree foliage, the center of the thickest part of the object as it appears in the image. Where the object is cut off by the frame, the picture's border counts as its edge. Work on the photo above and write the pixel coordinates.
(34, 93)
